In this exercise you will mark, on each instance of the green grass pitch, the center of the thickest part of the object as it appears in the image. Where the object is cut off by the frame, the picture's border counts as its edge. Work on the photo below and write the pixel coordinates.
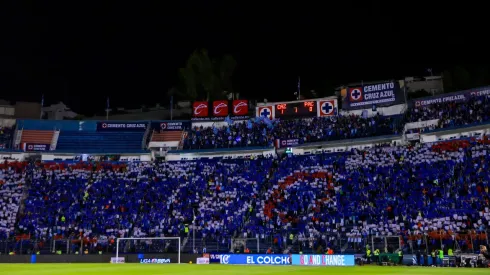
(184, 269)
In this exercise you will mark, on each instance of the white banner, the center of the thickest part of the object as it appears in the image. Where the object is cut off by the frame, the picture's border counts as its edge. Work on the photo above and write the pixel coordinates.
(413, 136)
(421, 124)
(118, 260)
(202, 261)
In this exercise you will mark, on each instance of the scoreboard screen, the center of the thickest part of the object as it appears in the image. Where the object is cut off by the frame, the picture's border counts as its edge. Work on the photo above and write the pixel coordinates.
(296, 110)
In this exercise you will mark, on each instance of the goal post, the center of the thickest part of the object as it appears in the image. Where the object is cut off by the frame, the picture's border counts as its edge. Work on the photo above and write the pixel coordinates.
(150, 239)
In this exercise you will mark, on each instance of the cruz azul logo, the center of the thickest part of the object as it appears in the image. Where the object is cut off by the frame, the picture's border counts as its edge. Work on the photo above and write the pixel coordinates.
(240, 107)
(327, 108)
(225, 259)
(355, 94)
(220, 108)
(200, 109)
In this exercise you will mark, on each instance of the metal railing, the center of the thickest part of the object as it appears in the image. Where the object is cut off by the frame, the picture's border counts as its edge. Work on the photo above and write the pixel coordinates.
(458, 242)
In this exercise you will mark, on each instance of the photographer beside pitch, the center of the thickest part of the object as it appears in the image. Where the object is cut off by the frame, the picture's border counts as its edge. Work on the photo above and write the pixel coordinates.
(484, 257)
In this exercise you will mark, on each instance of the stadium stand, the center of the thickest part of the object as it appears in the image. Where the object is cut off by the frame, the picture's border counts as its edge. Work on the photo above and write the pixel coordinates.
(453, 114)
(439, 191)
(100, 142)
(263, 132)
(166, 136)
(6, 135)
(12, 183)
(37, 136)
(424, 195)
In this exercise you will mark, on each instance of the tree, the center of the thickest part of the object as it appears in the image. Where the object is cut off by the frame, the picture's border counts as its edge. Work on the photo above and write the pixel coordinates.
(226, 70)
(206, 78)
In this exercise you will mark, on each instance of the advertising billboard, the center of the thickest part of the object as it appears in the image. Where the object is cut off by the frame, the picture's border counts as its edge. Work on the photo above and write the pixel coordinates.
(452, 97)
(35, 147)
(255, 259)
(219, 110)
(323, 260)
(106, 126)
(240, 107)
(154, 261)
(170, 125)
(200, 109)
(281, 143)
(378, 94)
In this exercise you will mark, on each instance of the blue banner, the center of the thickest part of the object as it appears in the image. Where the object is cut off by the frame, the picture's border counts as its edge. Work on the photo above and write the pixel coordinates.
(35, 147)
(452, 97)
(214, 258)
(255, 259)
(170, 125)
(107, 126)
(281, 143)
(323, 260)
(367, 95)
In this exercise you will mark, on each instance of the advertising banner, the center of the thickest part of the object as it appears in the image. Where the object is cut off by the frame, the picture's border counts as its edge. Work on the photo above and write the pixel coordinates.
(35, 147)
(202, 261)
(154, 261)
(214, 258)
(281, 143)
(219, 110)
(170, 125)
(323, 260)
(118, 260)
(200, 109)
(413, 136)
(379, 94)
(240, 107)
(106, 126)
(328, 107)
(255, 259)
(452, 97)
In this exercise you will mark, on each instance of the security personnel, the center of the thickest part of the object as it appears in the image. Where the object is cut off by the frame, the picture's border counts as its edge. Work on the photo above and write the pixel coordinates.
(291, 238)
(433, 256)
(186, 229)
(63, 219)
(368, 255)
(376, 256)
(450, 252)
(400, 256)
(441, 256)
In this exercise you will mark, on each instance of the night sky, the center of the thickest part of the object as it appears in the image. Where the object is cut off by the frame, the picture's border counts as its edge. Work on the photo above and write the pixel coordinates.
(80, 54)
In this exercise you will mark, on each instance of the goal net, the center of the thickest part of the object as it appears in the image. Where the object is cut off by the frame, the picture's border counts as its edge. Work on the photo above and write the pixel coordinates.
(147, 247)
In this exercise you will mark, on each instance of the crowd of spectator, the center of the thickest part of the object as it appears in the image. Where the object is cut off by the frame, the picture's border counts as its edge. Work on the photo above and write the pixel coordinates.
(12, 183)
(407, 191)
(453, 114)
(263, 132)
